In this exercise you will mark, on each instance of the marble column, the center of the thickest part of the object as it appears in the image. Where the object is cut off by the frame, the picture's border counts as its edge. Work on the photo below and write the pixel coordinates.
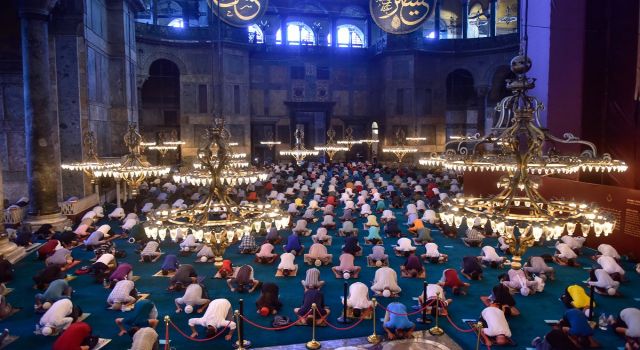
(41, 129)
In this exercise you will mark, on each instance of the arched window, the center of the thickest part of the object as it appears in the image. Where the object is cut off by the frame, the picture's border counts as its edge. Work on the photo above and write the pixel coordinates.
(255, 34)
(176, 23)
(348, 36)
(298, 33)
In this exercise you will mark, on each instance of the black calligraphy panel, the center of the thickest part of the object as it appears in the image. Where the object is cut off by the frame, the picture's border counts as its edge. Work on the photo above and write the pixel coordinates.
(400, 16)
(239, 13)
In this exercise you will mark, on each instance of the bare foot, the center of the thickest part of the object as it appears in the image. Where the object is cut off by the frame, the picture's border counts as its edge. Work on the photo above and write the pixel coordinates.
(227, 337)
(121, 333)
(194, 335)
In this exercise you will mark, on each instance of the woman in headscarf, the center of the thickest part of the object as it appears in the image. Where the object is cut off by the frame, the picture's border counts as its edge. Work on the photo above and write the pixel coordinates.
(358, 299)
(312, 279)
(450, 279)
(351, 246)
(386, 282)
(412, 267)
(502, 298)
(312, 296)
(318, 255)
(269, 298)
(293, 245)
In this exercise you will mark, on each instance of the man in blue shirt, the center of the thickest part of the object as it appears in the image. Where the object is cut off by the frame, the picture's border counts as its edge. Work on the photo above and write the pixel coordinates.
(396, 322)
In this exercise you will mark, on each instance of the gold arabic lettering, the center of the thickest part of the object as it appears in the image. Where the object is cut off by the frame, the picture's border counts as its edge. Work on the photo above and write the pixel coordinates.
(411, 12)
(243, 10)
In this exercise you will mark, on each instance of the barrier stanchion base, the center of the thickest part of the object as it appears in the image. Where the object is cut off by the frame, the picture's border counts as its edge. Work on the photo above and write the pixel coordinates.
(374, 339)
(436, 331)
(313, 345)
(245, 345)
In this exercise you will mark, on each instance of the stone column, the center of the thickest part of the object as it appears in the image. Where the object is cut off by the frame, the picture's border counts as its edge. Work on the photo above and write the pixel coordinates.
(41, 129)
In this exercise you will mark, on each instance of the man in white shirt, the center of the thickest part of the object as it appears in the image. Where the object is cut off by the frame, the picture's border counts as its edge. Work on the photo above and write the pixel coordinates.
(490, 256)
(497, 326)
(629, 325)
(217, 317)
(574, 243)
(433, 254)
(194, 295)
(603, 283)
(565, 255)
(151, 252)
(122, 294)
(57, 318)
(435, 291)
(286, 263)
(610, 265)
(145, 338)
(607, 250)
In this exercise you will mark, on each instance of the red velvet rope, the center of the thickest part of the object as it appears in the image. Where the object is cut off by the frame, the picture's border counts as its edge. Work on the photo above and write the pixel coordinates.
(457, 328)
(276, 328)
(345, 328)
(196, 339)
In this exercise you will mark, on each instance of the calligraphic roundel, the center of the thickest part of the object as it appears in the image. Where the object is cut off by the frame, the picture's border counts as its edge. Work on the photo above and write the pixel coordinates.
(400, 16)
(239, 13)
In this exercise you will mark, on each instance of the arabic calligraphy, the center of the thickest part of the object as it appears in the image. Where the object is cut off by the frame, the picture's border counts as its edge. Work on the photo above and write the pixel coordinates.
(400, 16)
(239, 13)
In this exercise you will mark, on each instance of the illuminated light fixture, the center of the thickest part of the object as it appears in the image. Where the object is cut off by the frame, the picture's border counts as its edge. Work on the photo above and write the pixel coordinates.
(299, 152)
(348, 140)
(270, 141)
(216, 220)
(134, 168)
(93, 163)
(519, 212)
(400, 150)
(331, 148)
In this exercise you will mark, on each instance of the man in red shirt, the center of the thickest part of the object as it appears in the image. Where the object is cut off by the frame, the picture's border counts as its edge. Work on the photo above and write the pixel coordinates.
(74, 338)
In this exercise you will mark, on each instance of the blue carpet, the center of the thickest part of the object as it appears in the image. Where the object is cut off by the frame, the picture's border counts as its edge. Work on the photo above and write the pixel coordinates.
(91, 297)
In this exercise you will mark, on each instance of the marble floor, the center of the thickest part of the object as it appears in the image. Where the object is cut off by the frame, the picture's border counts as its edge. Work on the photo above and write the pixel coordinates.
(422, 340)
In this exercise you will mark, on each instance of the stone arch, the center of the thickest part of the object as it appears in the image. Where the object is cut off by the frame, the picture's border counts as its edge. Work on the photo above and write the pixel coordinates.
(159, 55)
(460, 87)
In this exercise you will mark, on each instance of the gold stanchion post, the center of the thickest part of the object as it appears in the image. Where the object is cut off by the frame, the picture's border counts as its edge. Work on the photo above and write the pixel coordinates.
(374, 338)
(240, 342)
(435, 330)
(313, 344)
(478, 326)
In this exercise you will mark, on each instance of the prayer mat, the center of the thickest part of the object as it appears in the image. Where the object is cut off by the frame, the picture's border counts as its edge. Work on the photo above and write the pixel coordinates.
(399, 253)
(141, 296)
(422, 275)
(6, 291)
(366, 314)
(371, 263)
(102, 342)
(169, 274)
(83, 317)
(293, 273)
(135, 278)
(70, 278)
(8, 340)
(235, 269)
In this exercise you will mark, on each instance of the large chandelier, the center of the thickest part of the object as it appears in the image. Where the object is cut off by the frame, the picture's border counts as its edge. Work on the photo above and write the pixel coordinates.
(400, 149)
(348, 140)
(93, 163)
(521, 147)
(331, 148)
(134, 168)
(216, 220)
(299, 152)
(168, 142)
